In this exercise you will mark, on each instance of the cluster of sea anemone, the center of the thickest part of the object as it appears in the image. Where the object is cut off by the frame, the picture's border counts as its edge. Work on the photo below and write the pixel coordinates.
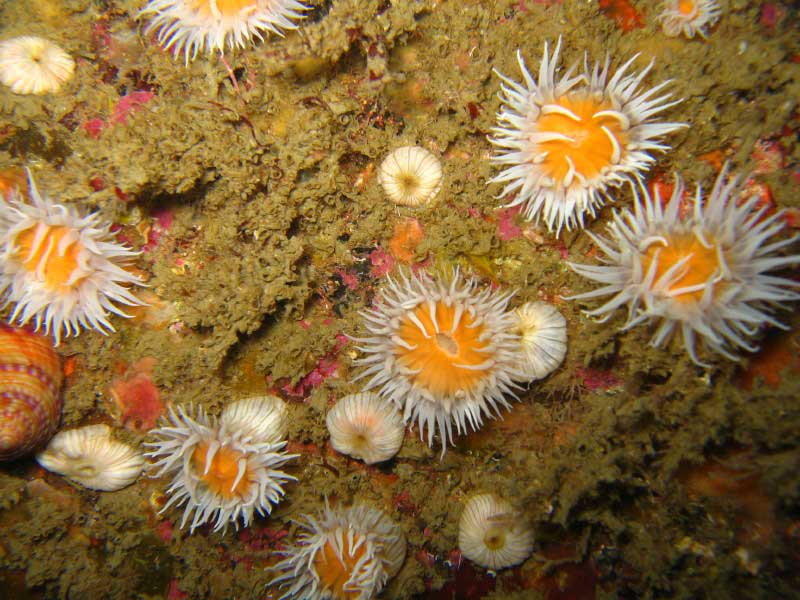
(225, 469)
(567, 144)
(440, 350)
(446, 352)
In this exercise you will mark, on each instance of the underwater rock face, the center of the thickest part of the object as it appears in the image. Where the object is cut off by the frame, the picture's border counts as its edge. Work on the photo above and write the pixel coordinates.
(250, 183)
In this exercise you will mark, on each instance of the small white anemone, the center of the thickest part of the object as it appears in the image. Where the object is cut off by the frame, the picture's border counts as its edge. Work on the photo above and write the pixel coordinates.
(366, 427)
(34, 65)
(222, 475)
(91, 457)
(492, 534)
(343, 553)
(543, 335)
(690, 17)
(564, 141)
(264, 419)
(411, 176)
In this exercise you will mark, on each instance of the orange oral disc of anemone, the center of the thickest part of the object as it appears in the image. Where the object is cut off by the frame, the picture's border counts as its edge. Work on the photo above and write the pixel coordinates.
(30, 391)
(589, 127)
(444, 351)
(687, 7)
(50, 253)
(12, 179)
(334, 571)
(227, 8)
(702, 265)
(222, 472)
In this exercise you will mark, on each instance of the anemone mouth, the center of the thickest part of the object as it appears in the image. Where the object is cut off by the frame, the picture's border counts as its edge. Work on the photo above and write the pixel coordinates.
(443, 349)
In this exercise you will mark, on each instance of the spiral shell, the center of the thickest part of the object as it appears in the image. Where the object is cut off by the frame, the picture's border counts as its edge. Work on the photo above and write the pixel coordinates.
(30, 391)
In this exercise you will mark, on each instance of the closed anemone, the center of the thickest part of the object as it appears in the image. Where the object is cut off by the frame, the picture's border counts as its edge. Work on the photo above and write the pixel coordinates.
(366, 427)
(492, 534)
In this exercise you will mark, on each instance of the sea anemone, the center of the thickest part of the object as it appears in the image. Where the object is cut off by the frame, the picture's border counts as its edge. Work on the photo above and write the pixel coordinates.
(61, 270)
(564, 142)
(34, 65)
(492, 534)
(263, 418)
(221, 474)
(543, 335)
(411, 176)
(91, 457)
(690, 17)
(192, 26)
(344, 554)
(364, 426)
(442, 350)
(708, 273)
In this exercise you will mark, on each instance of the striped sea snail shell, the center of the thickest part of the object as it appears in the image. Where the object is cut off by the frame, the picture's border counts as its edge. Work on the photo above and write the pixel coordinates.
(30, 391)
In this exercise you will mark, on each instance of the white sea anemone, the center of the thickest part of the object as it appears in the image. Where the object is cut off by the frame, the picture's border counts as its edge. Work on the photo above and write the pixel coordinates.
(411, 176)
(193, 26)
(342, 554)
(492, 534)
(221, 475)
(365, 426)
(690, 17)
(543, 334)
(34, 65)
(91, 457)
(442, 350)
(261, 418)
(64, 272)
(709, 274)
(563, 142)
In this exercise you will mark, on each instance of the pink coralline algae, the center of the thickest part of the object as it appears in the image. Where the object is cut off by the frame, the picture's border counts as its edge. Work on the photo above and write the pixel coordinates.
(160, 224)
(327, 366)
(348, 277)
(595, 379)
(125, 106)
(769, 157)
(130, 104)
(507, 229)
(164, 531)
(136, 399)
(94, 127)
(174, 592)
(382, 262)
(256, 540)
(772, 15)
